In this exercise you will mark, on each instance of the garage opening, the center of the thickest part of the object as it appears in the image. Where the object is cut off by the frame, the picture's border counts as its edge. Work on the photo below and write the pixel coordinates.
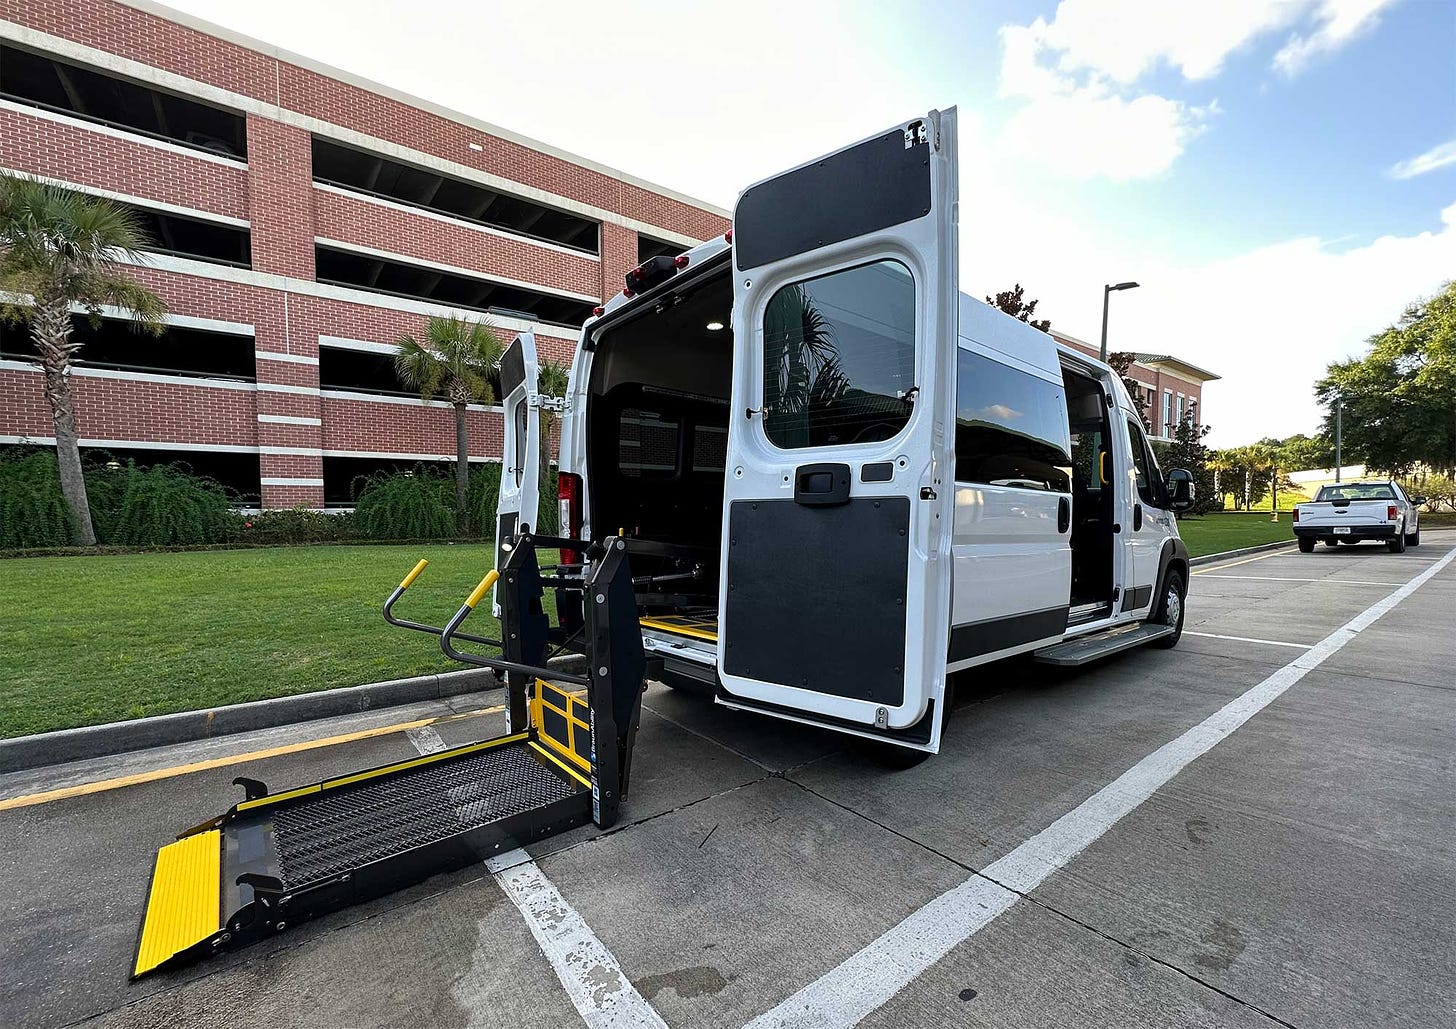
(657, 431)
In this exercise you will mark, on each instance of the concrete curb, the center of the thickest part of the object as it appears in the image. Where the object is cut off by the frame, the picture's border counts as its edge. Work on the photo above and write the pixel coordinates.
(53, 748)
(1210, 558)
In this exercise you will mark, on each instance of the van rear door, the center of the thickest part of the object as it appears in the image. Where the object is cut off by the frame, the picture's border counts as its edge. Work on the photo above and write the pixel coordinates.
(835, 585)
(520, 458)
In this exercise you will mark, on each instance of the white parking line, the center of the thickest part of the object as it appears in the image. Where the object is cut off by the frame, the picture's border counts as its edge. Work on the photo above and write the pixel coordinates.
(870, 978)
(593, 980)
(1247, 639)
(1332, 582)
(596, 984)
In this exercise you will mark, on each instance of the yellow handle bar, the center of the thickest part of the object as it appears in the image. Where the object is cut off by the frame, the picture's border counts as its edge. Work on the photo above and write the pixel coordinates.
(414, 574)
(480, 591)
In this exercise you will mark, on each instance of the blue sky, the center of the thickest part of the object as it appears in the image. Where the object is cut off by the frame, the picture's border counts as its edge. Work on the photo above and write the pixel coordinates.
(1239, 158)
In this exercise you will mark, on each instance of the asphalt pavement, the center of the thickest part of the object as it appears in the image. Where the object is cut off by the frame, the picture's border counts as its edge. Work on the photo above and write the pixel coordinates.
(1263, 823)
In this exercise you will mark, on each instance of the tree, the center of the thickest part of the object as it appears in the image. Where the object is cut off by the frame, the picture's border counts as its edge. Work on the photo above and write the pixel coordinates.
(61, 249)
(454, 359)
(1300, 453)
(1400, 398)
(1188, 451)
(1013, 303)
(1242, 473)
(1121, 362)
(551, 381)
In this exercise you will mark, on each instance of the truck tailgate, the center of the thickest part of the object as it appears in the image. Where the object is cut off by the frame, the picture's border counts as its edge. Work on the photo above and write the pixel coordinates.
(1345, 512)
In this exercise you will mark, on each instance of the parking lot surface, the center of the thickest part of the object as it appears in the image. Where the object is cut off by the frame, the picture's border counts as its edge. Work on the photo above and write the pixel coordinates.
(1253, 829)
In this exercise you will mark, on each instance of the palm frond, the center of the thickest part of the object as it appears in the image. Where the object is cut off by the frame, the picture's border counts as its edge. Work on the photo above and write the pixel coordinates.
(454, 355)
(418, 366)
(552, 378)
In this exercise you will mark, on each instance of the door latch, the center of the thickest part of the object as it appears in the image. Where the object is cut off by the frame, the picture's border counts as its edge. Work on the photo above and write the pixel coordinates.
(927, 493)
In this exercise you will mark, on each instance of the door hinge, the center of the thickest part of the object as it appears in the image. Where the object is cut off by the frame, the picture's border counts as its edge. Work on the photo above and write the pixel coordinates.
(882, 718)
(545, 402)
(915, 134)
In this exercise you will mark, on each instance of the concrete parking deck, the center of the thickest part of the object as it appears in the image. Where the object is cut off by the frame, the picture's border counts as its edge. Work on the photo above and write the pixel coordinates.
(1300, 872)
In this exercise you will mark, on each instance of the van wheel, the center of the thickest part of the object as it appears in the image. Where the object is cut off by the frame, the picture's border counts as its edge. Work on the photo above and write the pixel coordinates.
(1170, 608)
(1396, 545)
(1306, 544)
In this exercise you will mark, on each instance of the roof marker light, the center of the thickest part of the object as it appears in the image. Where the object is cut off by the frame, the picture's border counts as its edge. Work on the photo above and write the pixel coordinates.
(680, 261)
(728, 236)
(597, 312)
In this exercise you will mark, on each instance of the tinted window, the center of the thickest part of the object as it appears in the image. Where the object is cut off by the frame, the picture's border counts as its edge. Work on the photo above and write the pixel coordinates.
(839, 358)
(647, 444)
(1149, 481)
(1011, 427)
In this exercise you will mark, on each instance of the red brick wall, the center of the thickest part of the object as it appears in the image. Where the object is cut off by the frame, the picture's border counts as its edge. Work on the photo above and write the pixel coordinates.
(280, 198)
(42, 147)
(127, 32)
(430, 239)
(619, 256)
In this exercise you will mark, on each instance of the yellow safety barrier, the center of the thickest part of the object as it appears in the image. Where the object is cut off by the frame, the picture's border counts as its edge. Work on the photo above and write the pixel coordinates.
(573, 740)
(481, 590)
(414, 574)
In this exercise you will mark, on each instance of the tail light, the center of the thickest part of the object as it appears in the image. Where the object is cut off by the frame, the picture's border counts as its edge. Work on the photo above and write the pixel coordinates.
(568, 503)
(1296, 514)
(1390, 512)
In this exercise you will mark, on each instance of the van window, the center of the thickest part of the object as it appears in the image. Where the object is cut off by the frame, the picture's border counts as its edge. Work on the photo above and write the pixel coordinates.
(839, 358)
(1011, 427)
(522, 413)
(1146, 484)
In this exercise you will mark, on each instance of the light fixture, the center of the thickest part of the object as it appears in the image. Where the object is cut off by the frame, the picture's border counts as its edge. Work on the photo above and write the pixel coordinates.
(475, 146)
(715, 326)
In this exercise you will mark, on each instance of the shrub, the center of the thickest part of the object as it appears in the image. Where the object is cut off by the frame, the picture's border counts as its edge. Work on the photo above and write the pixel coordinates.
(32, 513)
(164, 505)
(297, 525)
(485, 496)
(410, 505)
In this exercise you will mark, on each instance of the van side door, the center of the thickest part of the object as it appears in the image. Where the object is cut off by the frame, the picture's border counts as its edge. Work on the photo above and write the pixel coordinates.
(521, 453)
(1150, 521)
(835, 576)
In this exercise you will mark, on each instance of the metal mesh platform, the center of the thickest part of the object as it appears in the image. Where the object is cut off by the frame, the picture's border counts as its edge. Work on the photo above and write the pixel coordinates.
(339, 830)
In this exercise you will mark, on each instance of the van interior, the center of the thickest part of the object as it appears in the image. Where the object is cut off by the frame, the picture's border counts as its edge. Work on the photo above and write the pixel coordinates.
(1092, 496)
(658, 439)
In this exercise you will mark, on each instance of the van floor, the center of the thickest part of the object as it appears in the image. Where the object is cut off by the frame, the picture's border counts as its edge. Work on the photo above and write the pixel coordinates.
(701, 626)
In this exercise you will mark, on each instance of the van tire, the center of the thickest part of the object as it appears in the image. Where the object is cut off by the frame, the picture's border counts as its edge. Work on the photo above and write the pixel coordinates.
(1306, 544)
(1396, 545)
(1171, 608)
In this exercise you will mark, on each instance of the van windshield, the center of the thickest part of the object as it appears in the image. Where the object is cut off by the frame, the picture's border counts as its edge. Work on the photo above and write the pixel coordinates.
(1356, 491)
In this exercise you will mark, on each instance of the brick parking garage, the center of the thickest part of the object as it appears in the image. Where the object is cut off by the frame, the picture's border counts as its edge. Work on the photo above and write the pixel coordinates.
(302, 219)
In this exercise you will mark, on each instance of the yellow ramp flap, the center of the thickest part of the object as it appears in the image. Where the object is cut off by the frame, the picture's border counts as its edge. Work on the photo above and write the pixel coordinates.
(184, 905)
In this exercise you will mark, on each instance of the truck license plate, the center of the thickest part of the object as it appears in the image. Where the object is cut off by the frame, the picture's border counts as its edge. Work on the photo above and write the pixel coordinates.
(1342, 530)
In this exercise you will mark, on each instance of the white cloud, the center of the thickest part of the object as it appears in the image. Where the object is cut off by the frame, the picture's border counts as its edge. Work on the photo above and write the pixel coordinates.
(1125, 39)
(1338, 22)
(1439, 156)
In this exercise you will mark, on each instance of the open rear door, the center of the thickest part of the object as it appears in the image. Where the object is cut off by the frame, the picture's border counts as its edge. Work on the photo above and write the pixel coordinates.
(836, 555)
(520, 460)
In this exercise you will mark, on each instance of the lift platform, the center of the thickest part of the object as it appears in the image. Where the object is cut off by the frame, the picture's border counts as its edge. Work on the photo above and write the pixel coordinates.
(275, 859)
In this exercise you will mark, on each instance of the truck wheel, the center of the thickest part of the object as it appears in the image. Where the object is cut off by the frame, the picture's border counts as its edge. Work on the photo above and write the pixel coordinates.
(1306, 544)
(1170, 608)
(1414, 539)
(1396, 544)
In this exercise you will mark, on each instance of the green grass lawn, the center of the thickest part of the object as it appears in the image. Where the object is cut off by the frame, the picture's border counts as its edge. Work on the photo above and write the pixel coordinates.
(1215, 533)
(85, 640)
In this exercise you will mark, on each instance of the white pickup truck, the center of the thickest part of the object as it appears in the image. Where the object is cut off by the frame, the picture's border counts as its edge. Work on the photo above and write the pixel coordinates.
(1349, 512)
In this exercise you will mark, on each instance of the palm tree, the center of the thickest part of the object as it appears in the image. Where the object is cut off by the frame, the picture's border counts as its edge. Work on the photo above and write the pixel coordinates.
(551, 381)
(61, 249)
(454, 359)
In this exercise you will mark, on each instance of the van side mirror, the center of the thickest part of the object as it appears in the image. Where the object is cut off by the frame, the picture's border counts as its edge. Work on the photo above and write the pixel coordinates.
(1180, 489)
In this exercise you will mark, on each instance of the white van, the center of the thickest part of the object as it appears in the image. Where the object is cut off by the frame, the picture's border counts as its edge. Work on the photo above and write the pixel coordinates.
(844, 478)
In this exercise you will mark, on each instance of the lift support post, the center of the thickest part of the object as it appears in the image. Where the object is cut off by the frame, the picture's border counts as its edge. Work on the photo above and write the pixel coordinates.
(274, 859)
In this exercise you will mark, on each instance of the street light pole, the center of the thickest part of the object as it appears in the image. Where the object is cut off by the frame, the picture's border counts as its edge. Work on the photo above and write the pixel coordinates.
(1107, 292)
(1339, 456)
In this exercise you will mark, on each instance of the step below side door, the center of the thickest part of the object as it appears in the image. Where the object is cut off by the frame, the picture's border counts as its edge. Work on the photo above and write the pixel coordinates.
(521, 454)
(835, 584)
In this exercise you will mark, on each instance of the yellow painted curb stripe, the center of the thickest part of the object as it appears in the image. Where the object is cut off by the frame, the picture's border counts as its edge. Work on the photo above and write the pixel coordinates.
(120, 782)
